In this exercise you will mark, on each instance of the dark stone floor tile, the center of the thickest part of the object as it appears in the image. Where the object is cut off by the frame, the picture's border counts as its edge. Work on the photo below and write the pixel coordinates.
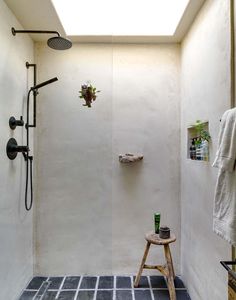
(143, 283)
(179, 283)
(71, 283)
(106, 282)
(27, 295)
(85, 295)
(36, 282)
(161, 295)
(50, 295)
(55, 283)
(123, 282)
(182, 295)
(158, 282)
(67, 295)
(142, 295)
(104, 295)
(88, 283)
(123, 295)
(164, 295)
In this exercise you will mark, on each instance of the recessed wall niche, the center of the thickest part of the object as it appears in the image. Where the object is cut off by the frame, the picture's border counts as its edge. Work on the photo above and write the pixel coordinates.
(198, 139)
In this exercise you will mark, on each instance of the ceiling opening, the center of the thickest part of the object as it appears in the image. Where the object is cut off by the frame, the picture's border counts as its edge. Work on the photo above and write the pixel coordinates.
(120, 17)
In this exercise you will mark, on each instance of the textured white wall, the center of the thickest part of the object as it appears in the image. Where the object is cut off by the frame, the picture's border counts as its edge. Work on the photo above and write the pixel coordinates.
(74, 158)
(16, 265)
(92, 212)
(145, 119)
(205, 95)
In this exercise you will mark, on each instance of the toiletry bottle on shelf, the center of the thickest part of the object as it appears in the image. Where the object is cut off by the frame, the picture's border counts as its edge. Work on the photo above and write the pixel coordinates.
(199, 149)
(192, 150)
(205, 150)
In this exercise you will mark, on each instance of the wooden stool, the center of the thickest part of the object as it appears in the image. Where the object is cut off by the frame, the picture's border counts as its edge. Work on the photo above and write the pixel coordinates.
(167, 270)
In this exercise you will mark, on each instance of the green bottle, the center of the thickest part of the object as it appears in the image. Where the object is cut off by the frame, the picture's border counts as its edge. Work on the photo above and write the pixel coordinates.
(157, 220)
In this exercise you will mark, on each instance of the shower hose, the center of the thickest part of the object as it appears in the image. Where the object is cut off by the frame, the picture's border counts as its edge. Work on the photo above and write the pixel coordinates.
(28, 159)
(28, 206)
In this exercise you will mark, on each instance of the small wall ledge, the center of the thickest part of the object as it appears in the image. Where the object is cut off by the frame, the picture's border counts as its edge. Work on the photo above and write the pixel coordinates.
(129, 158)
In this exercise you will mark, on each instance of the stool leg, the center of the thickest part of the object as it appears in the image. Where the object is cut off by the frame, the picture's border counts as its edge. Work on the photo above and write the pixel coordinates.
(171, 274)
(171, 262)
(137, 279)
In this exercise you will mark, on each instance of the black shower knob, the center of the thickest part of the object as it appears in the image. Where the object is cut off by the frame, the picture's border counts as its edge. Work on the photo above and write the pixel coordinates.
(13, 122)
(12, 149)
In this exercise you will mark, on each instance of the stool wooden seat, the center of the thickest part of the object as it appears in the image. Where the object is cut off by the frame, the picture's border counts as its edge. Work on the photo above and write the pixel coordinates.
(154, 238)
(167, 270)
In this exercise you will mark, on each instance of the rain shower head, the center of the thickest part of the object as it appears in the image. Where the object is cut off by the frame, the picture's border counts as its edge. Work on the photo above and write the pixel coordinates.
(57, 42)
(38, 86)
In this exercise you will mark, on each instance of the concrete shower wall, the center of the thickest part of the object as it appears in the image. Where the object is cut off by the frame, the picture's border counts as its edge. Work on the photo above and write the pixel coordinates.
(16, 265)
(205, 95)
(92, 212)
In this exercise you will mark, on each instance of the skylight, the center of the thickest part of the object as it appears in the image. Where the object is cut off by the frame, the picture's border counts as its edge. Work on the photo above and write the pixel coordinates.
(120, 17)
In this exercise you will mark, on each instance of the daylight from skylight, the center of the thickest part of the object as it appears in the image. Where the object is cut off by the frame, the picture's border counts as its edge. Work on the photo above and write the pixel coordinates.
(120, 17)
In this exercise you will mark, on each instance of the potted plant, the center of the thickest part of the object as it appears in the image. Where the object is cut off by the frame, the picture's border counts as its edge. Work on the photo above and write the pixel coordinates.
(88, 93)
(201, 133)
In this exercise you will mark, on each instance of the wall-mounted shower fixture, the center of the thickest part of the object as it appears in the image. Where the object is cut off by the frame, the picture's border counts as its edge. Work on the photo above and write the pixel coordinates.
(57, 42)
(13, 122)
(28, 158)
(13, 149)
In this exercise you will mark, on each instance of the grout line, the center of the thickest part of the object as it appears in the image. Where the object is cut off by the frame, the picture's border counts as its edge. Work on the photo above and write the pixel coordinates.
(132, 287)
(114, 287)
(47, 284)
(77, 291)
(96, 289)
(35, 296)
(28, 282)
(151, 290)
(60, 288)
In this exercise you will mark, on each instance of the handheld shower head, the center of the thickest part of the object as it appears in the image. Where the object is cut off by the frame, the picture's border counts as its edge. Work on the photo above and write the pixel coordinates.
(38, 86)
(57, 42)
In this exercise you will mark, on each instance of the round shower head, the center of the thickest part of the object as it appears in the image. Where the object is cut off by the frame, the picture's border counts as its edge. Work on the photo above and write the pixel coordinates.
(59, 43)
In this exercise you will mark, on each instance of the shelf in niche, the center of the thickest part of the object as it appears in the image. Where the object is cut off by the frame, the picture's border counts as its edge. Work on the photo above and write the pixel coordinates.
(192, 134)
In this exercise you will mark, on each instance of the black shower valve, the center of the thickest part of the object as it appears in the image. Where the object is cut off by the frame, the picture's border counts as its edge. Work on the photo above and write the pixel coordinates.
(13, 122)
(13, 149)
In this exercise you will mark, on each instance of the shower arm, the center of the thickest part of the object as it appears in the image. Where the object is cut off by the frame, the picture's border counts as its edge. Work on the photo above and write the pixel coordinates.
(34, 31)
(34, 89)
(35, 93)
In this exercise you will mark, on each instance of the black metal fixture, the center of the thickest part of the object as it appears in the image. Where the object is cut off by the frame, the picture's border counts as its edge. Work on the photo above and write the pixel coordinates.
(28, 158)
(13, 149)
(38, 86)
(13, 122)
(57, 42)
(28, 65)
(34, 89)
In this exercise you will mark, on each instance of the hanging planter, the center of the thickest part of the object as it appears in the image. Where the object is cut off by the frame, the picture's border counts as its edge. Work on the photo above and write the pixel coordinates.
(88, 93)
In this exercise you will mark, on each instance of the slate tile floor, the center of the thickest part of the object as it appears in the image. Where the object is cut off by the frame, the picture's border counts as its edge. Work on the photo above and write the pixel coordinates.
(101, 288)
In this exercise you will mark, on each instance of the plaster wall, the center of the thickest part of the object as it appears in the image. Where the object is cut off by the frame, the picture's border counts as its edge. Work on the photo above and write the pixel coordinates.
(16, 264)
(91, 211)
(205, 95)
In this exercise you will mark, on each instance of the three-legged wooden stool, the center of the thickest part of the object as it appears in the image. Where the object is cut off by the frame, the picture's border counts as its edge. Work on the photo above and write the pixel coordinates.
(167, 270)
